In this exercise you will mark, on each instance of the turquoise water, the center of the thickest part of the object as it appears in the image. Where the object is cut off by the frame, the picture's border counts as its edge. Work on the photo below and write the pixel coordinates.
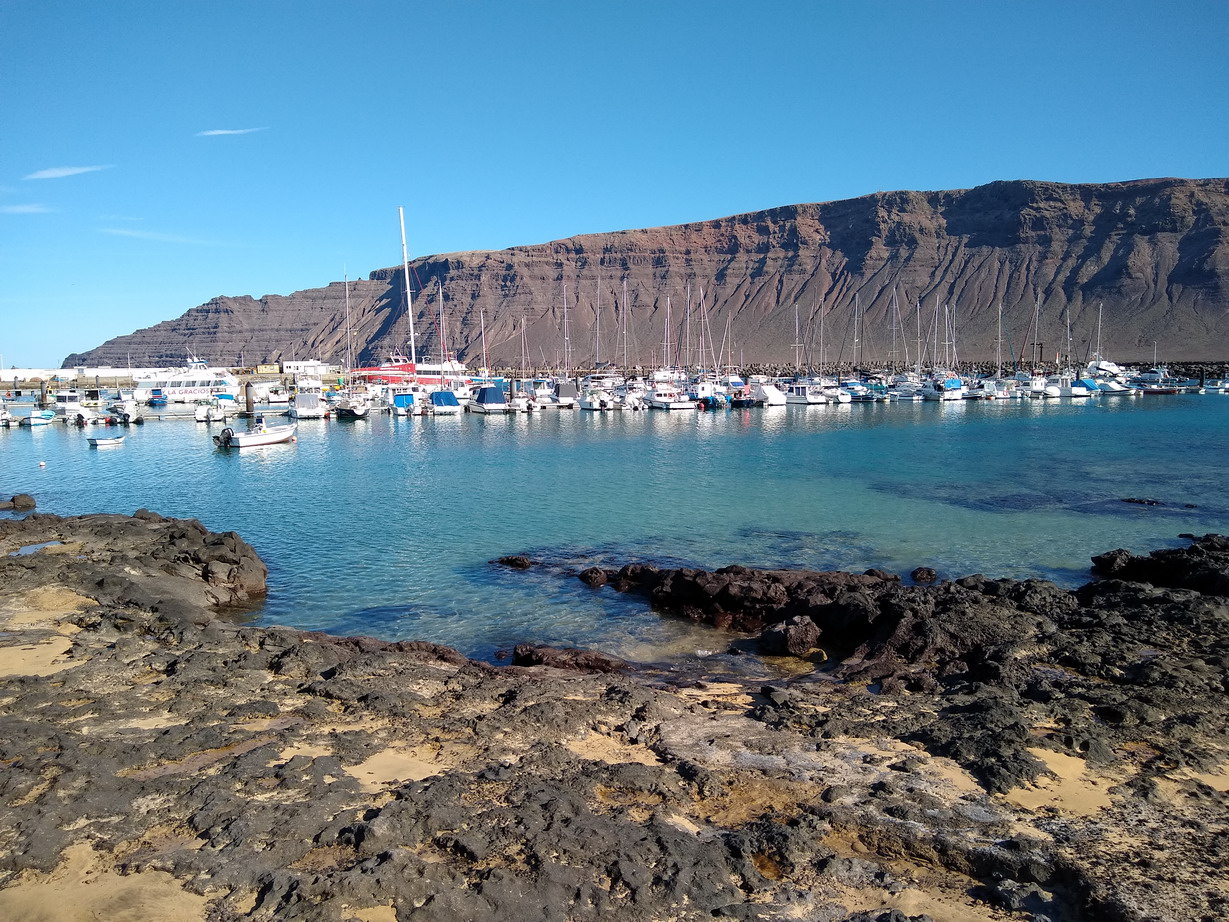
(386, 526)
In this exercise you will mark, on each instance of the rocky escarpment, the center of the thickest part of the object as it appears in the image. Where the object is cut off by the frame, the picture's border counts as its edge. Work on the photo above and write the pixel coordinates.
(884, 271)
(159, 757)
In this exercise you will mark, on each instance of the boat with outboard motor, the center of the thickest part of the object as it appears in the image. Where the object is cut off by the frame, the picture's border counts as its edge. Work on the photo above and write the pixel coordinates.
(260, 434)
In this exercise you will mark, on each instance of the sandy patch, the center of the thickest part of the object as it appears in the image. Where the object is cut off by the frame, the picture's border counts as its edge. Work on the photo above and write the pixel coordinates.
(719, 692)
(376, 914)
(1072, 790)
(82, 890)
(44, 607)
(42, 658)
(914, 902)
(953, 774)
(681, 822)
(601, 748)
(396, 764)
(311, 750)
(158, 722)
(1218, 780)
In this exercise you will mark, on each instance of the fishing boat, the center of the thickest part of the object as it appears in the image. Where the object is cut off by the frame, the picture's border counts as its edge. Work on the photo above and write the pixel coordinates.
(260, 434)
(105, 442)
(36, 418)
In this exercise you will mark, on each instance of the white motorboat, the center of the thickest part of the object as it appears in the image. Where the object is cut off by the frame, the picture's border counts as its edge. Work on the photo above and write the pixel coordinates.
(36, 418)
(943, 386)
(768, 392)
(804, 392)
(444, 403)
(307, 401)
(665, 396)
(210, 410)
(351, 406)
(490, 399)
(260, 434)
(599, 399)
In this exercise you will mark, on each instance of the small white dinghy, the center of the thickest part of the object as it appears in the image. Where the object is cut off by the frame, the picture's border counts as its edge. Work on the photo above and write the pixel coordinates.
(104, 442)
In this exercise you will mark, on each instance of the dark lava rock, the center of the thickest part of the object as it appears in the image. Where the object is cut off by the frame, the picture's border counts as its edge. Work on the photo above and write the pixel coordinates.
(594, 577)
(562, 658)
(516, 562)
(922, 575)
(247, 763)
(22, 502)
(796, 636)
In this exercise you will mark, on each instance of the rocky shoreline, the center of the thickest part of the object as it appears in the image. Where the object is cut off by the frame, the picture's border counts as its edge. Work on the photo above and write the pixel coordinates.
(971, 750)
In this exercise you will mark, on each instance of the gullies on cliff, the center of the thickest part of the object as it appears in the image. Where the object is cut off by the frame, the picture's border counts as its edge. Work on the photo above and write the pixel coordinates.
(163, 758)
(890, 264)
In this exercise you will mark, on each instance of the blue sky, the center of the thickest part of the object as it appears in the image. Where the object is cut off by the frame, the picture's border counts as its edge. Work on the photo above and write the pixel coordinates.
(156, 154)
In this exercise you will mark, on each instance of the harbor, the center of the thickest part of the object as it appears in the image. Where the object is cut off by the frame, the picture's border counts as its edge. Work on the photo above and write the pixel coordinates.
(385, 525)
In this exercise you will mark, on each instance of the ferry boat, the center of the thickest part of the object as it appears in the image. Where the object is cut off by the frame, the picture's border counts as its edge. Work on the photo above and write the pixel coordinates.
(400, 370)
(192, 382)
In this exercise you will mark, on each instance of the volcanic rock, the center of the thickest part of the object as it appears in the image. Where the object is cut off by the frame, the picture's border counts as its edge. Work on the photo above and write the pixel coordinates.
(164, 761)
(1151, 251)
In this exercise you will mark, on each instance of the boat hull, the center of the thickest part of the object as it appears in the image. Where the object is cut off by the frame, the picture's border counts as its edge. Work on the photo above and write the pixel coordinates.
(229, 438)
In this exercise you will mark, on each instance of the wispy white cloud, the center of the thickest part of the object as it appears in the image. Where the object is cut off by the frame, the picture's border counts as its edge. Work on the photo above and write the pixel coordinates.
(155, 236)
(24, 209)
(217, 131)
(59, 172)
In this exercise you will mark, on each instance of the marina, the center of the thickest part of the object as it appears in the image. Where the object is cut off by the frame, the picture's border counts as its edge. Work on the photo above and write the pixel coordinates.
(386, 525)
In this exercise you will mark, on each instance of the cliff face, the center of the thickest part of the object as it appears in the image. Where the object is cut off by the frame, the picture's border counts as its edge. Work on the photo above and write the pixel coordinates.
(870, 280)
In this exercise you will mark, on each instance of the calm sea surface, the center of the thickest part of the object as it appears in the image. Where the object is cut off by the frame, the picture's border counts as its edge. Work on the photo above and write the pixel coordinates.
(386, 526)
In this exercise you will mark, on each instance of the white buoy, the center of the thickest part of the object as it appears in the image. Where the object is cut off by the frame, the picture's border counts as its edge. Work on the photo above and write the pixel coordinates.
(42, 464)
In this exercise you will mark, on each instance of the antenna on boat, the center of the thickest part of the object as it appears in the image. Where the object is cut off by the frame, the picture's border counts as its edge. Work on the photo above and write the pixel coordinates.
(409, 305)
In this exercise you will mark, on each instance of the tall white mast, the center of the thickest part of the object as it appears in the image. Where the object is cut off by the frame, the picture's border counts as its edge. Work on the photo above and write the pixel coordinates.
(443, 341)
(409, 304)
(797, 344)
(349, 335)
(1100, 305)
(567, 342)
(998, 346)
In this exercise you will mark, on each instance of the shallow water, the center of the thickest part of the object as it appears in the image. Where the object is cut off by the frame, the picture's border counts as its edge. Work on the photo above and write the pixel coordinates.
(386, 526)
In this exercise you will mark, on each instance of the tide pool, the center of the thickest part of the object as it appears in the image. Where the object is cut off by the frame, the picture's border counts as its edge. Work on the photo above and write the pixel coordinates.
(386, 526)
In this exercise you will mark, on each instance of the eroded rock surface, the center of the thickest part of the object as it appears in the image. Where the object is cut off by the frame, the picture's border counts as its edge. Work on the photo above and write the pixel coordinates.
(277, 774)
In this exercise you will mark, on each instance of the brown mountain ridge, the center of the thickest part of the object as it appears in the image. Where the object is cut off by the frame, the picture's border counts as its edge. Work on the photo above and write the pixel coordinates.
(868, 280)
